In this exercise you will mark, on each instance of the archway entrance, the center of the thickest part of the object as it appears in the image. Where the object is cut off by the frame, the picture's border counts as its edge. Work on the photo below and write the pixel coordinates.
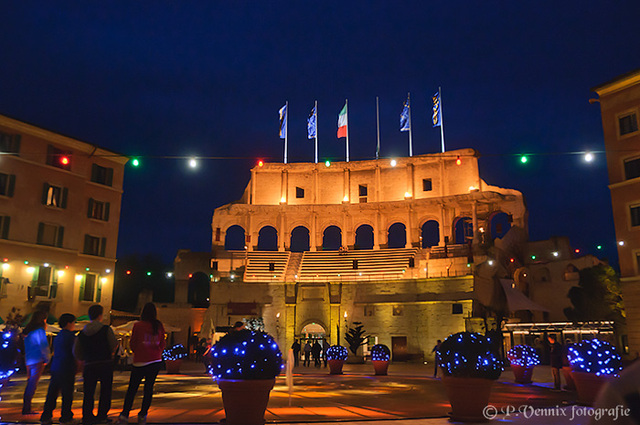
(312, 334)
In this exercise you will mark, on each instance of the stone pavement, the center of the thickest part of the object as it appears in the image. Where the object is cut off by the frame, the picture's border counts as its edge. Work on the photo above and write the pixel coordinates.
(408, 396)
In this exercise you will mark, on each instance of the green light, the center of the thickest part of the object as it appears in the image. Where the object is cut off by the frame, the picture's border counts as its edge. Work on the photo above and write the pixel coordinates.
(524, 159)
(327, 163)
(86, 269)
(135, 162)
(599, 247)
(148, 273)
(533, 257)
(468, 264)
(26, 261)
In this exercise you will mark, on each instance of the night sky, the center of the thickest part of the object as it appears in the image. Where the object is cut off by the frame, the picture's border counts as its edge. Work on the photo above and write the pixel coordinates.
(159, 79)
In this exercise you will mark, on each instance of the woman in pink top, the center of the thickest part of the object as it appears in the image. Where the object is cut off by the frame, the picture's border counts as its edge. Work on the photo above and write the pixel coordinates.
(147, 343)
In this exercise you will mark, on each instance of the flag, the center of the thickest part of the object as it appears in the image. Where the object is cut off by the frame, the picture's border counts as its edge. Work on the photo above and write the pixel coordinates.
(405, 117)
(437, 112)
(312, 122)
(283, 122)
(342, 122)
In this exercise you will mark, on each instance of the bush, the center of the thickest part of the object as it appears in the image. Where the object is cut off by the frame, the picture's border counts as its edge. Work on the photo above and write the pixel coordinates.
(380, 352)
(523, 355)
(176, 352)
(594, 356)
(245, 354)
(469, 355)
(337, 352)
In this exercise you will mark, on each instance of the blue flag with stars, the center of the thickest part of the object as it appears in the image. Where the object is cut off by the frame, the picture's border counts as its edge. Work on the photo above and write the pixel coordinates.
(437, 112)
(312, 123)
(405, 117)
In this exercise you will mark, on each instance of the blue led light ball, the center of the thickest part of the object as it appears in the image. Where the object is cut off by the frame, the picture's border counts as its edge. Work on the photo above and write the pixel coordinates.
(523, 355)
(380, 353)
(337, 352)
(174, 353)
(594, 356)
(245, 354)
(8, 353)
(469, 355)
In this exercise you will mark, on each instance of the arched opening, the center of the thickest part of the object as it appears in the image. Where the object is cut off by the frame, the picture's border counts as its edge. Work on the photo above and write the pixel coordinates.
(198, 290)
(299, 239)
(463, 230)
(268, 239)
(500, 225)
(430, 234)
(234, 238)
(364, 237)
(331, 238)
(397, 236)
(313, 330)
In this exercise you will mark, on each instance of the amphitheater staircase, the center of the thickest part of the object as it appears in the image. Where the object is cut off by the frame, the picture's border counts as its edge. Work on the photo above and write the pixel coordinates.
(293, 268)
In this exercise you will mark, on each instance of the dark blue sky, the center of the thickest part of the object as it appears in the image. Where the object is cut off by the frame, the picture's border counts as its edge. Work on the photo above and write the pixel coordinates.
(207, 78)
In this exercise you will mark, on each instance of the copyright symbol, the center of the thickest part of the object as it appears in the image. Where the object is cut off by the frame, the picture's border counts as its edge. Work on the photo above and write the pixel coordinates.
(490, 412)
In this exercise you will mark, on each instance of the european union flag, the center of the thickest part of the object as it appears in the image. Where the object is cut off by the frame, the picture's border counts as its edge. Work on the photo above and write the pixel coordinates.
(405, 117)
(312, 123)
(283, 122)
(437, 112)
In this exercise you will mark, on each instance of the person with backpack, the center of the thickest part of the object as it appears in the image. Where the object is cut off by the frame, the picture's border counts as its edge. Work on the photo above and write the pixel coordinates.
(36, 356)
(63, 373)
(147, 342)
(95, 346)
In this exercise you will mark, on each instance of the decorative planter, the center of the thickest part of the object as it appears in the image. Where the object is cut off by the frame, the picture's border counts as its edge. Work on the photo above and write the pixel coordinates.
(522, 373)
(236, 393)
(335, 366)
(468, 397)
(380, 366)
(566, 372)
(173, 366)
(588, 385)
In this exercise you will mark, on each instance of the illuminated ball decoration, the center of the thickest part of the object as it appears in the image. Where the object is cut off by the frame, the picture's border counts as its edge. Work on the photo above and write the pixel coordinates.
(380, 353)
(245, 354)
(469, 355)
(337, 352)
(174, 353)
(594, 356)
(523, 355)
(8, 354)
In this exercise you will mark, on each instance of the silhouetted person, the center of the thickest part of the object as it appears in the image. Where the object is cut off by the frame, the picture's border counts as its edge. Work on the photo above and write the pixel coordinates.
(436, 357)
(315, 351)
(555, 356)
(307, 354)
(296, 352)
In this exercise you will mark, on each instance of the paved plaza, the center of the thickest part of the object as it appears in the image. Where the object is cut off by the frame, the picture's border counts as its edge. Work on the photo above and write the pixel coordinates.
(409, 395)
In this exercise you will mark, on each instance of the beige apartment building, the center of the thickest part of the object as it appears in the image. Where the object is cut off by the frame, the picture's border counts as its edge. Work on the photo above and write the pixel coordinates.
(620, 108)
(59, 216)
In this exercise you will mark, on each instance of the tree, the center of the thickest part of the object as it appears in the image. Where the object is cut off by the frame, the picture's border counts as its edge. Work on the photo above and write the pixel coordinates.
(598, 296)
(355, 337)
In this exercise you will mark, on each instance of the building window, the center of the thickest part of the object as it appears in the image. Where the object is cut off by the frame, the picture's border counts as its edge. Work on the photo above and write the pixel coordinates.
(628, 123)
(456, 308)
(7, 184)
(369, 310)
(635, 215)
(363, 193)
(9, 143)
(632, 168)
(94, 245)
(58, 158)
(44, 283)
(88, 287)
(299, 192)
(398, 310)
(5, 221)
(427, 185)
(101, 175)
(638, 262)
(54, 196)
(50, 234)
(98, 210)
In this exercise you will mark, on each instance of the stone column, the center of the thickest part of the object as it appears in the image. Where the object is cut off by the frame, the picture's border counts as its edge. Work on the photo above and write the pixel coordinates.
(281, 231)
(442, 226)
(410, 230)
(376, 231)
(474, 220)
(313, 234)
(253, 187)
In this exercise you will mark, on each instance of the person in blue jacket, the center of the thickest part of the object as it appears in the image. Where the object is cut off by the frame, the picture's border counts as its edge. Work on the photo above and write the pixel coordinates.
(36, 353)
(63, 373)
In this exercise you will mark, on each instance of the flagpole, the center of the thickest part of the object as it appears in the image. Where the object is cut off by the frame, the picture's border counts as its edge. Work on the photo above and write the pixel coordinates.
(346, 104)
(378, 128)
(286, 129)
(410, 126)
(441, 120)
(316, 112)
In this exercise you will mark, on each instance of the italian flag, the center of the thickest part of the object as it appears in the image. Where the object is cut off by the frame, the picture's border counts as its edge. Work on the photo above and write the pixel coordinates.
(342, 122)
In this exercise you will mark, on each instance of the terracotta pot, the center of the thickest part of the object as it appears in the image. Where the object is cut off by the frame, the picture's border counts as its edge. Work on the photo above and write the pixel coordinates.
(566, 372)
(335, 367)
(173, 366)
(468, 397)
(522, 373)
(588, 385)
(245, 401)
(380, 366)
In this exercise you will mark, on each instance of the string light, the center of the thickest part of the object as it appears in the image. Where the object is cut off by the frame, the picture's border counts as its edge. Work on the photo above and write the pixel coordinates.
(523, 355)
(394, 162)
(470, 355)
(588, 157)
(193, 163)
(380, 353)
(594, 356)
(337, 352)
(175, 353)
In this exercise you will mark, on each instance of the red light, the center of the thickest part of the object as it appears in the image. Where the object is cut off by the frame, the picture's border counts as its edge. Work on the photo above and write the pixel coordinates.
(513, 260)
(190, 275)
(458, 160)
(5, 259)
(260, 163)
(66, 267)
(128, 271)
(64, 160)
(577, 251)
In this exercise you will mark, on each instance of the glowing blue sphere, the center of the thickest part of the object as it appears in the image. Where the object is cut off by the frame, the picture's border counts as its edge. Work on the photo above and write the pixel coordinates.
(337, 352)
(523, 355)
(381, 353)
(594, 356)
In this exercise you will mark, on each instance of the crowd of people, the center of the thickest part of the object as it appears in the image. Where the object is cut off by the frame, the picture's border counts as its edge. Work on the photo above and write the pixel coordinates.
(94, 348)
(310, 352)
